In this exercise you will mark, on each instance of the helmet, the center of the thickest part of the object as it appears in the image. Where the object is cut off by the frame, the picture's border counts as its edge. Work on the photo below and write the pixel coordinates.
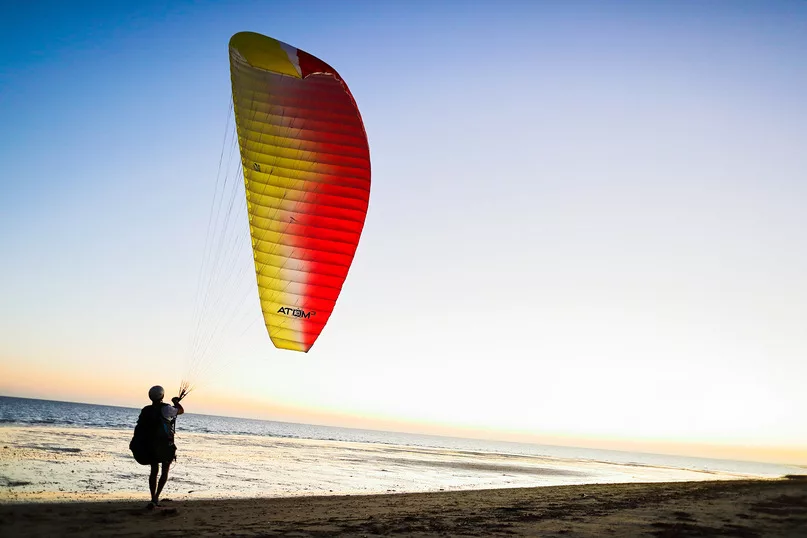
(156, 393)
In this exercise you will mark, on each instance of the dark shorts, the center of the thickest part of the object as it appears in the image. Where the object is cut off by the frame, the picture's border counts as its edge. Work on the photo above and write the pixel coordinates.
(166, 454)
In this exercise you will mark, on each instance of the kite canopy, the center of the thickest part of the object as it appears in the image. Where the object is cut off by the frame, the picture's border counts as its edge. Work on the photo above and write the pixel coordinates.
(306, 166)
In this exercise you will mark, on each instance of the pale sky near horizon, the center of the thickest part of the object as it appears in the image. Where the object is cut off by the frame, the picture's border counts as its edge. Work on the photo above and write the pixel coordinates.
(586, 222)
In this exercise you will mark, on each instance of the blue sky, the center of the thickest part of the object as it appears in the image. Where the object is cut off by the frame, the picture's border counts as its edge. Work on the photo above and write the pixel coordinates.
(586, 218)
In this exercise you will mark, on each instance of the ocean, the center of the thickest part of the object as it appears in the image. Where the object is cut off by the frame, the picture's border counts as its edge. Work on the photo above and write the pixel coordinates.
(71, 451)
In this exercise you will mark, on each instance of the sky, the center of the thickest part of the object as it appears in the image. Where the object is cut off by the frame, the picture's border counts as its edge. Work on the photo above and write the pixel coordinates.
(586, 222)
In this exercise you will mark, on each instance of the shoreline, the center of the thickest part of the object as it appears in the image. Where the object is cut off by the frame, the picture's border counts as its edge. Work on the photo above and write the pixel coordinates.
(763, 507)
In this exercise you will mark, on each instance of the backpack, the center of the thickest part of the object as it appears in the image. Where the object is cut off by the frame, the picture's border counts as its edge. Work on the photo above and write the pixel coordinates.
(153, 439)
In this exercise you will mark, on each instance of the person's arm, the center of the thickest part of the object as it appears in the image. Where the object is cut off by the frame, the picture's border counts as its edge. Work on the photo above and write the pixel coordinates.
(180, 409)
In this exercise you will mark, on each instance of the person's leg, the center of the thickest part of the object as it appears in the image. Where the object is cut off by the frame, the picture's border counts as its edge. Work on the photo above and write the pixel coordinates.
(163, 479)
(153, 481)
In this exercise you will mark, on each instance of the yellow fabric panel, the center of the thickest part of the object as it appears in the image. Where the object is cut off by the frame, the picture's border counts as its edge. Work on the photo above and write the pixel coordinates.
(264, 53)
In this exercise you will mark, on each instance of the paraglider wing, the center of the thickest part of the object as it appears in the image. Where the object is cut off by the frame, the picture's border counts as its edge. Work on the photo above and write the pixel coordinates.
(306, 166)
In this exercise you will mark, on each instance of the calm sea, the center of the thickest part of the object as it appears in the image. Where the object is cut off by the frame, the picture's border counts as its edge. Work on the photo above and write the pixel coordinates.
(24, 411)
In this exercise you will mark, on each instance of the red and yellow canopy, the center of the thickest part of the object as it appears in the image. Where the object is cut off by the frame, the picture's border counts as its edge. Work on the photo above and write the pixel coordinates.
(306, 166)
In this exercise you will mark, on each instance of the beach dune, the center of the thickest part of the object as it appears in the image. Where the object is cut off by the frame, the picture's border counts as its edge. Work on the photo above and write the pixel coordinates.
(746, 508)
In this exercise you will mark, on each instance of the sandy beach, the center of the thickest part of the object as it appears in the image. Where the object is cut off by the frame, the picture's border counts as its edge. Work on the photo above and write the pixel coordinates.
(748, 508)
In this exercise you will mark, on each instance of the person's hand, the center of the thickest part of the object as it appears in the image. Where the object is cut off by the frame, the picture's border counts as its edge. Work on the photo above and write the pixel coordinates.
(175, 400)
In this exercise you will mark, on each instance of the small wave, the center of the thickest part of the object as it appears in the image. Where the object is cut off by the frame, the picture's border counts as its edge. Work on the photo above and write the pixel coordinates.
(9, 483)
(53, 448)
(28, 421)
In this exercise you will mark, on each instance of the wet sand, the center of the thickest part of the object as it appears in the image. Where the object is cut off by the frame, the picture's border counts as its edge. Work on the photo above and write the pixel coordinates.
(55, 464)
(746, 508)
